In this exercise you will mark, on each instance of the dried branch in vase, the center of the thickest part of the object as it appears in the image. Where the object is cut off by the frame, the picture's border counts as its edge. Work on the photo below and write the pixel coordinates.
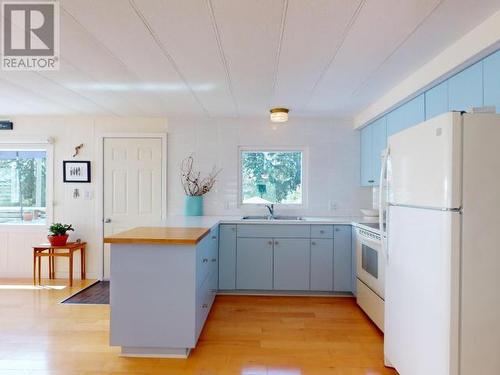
(192, 182)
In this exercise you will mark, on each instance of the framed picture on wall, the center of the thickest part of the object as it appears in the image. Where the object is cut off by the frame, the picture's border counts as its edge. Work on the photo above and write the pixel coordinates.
(76, 171)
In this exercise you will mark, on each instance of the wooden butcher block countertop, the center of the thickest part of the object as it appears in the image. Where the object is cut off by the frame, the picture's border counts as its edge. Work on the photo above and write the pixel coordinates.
(159, 236)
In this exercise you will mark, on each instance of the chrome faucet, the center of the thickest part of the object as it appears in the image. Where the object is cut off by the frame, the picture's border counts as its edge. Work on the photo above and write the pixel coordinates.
(270, 207)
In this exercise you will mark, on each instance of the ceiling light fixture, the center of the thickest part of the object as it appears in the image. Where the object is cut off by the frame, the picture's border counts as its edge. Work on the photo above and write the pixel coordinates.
(279, 114)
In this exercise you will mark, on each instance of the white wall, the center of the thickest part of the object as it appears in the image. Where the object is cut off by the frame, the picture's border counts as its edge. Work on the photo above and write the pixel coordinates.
(333, 172)
(68, 132)
(333, 168)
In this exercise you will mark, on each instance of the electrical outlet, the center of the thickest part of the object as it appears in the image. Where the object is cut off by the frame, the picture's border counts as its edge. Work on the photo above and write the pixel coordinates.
(333, 206)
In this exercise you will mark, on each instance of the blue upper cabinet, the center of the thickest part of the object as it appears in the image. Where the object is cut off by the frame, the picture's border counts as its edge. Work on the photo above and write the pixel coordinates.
(492, 80)
(476, 86)
(436, 100)
(373, 141)
(409, 114)
(379, 143)
(466, 88)
(366, 150)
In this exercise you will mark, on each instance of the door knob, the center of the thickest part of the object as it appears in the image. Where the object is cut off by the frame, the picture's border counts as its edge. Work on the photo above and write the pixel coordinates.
(107, 220)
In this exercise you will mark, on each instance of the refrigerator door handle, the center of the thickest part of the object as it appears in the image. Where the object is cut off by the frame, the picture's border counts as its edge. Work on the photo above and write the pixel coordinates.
(382, 204)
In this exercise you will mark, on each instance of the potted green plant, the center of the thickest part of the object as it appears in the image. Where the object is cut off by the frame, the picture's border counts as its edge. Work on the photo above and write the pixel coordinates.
(57, 234)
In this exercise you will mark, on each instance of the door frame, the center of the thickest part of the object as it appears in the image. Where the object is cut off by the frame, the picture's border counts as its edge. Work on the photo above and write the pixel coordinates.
(100, 182)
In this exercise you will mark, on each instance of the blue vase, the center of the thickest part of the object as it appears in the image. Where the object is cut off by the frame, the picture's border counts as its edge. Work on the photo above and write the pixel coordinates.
(193, 205)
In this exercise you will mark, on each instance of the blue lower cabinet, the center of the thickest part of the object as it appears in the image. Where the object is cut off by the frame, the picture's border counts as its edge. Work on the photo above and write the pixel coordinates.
(409, 114)
(227, 257)
(492, 80)
(342, 259)
(291, 264)
(436, 100)
(466, 88)
(254, 263)
(321, 264)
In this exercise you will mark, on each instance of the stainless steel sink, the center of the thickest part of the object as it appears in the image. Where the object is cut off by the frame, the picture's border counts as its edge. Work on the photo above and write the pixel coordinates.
(277, 217)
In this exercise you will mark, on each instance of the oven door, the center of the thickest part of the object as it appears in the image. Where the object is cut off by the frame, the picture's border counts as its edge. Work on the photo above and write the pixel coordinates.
(370, 263)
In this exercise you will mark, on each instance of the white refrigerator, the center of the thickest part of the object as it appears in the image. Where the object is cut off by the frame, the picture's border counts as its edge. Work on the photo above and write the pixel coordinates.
(442, 247)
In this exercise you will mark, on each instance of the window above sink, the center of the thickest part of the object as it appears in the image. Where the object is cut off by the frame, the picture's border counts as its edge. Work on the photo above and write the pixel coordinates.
(272, 175)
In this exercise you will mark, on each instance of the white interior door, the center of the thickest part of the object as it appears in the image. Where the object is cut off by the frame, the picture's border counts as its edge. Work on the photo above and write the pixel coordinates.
(133, 181)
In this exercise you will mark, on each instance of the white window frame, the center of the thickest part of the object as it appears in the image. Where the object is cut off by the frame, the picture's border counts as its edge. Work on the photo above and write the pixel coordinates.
(305, 169)
(36, 144)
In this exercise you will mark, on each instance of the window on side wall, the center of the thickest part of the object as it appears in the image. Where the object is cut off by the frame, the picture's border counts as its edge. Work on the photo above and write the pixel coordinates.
(272, 176)
(23, 184)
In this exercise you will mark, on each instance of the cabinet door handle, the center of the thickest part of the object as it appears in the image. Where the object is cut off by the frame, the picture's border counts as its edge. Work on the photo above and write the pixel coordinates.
(214, 237)
(214, 259)
(337, 230)
(321, 231)
(205, 260)
(313, 243)
(276, 243)
(269, 242)
(371, 181)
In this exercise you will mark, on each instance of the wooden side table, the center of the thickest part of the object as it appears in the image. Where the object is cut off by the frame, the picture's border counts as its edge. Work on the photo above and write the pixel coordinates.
(47, 250)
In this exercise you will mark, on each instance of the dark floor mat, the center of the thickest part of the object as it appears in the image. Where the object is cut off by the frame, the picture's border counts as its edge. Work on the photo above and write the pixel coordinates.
(97, 294)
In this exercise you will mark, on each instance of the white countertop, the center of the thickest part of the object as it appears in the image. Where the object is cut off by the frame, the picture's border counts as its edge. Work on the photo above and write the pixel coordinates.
(211, 221)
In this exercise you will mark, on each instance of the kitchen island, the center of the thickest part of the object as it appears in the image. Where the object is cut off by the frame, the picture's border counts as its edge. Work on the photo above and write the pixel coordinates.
(163, 284)
(164, 279)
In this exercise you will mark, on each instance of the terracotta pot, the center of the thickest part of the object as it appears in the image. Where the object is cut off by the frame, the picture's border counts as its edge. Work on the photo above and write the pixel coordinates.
(58, 240)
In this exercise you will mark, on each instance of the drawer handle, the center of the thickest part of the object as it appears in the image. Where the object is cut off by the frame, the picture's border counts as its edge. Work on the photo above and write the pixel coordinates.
(371, 181)
(313, 243)
(214, 259)
(205, 260)
(204, 306)
(322, 231)
(276, 243)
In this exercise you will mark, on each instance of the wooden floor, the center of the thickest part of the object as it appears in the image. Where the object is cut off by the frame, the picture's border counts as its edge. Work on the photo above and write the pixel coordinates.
(243, 335)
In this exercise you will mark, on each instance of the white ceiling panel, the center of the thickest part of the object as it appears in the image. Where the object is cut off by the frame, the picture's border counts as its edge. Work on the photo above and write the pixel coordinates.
(116, 25)
(382, 25)
(108, 102)
(250, 32)
(39, 86)
(236, 57)
(16, 100)
(306, 51)
(428, 40)
(193, 47)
